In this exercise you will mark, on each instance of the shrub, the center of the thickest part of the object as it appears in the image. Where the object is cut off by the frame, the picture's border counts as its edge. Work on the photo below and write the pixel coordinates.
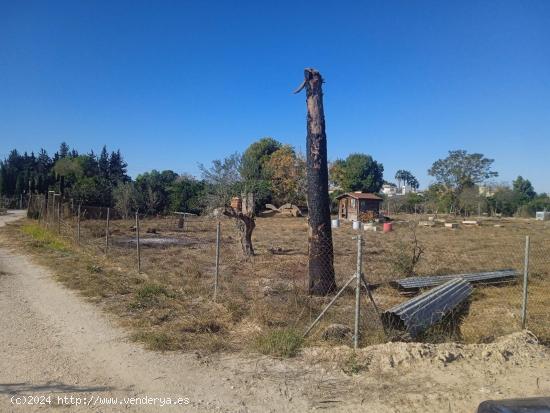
(279, 343)
(407, 255)
(149, 295)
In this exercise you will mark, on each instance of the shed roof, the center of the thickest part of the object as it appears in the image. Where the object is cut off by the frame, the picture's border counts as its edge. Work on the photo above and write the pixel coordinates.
(360, 195)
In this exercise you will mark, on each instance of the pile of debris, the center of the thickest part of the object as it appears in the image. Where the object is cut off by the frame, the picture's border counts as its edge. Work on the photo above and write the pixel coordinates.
(284, 210)
(448, 294)
(433, 221)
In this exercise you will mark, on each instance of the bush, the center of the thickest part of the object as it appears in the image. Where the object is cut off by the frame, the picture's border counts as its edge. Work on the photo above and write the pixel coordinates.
(280, 343)
(149, 295)
(408, 255)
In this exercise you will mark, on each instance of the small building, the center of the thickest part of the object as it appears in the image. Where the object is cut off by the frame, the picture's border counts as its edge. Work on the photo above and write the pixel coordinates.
(355, 206)
(389, 189)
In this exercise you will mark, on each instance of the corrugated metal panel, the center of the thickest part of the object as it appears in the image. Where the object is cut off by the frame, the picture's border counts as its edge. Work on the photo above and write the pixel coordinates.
(419, 313)
(490, 277)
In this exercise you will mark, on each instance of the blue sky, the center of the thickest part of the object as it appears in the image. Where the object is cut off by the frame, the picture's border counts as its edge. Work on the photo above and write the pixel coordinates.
(176, 83)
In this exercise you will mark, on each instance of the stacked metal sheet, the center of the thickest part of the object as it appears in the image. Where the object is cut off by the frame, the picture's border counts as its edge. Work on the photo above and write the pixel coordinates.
(419, 313)
(413, 284)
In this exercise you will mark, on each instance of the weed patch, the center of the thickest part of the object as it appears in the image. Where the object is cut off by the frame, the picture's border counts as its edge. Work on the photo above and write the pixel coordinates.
(43, 238)
(149, 295)
(154, 340)
(279, 343)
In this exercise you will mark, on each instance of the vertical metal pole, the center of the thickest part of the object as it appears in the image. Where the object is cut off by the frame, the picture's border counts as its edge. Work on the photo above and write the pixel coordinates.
(107, 232)
(525, 283)
(42, 207)
(358, 290)
(217, 270)
(137, 244)
(59, 215)
(51, 195)
(78, 226)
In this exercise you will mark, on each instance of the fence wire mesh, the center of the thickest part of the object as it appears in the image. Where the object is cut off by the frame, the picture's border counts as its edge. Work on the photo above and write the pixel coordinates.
(269, 291)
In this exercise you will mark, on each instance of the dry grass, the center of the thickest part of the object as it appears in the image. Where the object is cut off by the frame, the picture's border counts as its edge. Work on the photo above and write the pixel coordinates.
(169, 305)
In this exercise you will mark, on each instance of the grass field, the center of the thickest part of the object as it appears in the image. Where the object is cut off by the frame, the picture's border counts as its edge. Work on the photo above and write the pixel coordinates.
(262, 302)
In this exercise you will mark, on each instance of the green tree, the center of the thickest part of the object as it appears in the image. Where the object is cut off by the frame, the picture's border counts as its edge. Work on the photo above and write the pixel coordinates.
(103, 163)
(504, 201)
(254, 172)
(117, 168)
(255, 158)
(470, 202)
(154, 187)
(412, 182)
(439, 198)
(541, 202)
(407, 178)
(63, 150)
(358, 172)
(523, 189)
(461, 170)
(126, 198)
(400, 176)
(286, 171)
(185, 194)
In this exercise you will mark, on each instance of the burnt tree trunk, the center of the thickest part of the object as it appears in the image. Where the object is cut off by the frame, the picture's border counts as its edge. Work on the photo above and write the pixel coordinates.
(321, 256)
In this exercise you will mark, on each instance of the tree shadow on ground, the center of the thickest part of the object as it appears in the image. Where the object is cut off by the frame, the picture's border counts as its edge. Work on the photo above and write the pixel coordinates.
(51, 387)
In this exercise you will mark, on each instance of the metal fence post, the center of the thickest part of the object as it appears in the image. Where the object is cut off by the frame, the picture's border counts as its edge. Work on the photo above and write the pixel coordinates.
(358, 290)
(107, 231)
(525, 283)
(137, 243)
(217, 270)
(59, 215)
(51, 195)
(78, 226)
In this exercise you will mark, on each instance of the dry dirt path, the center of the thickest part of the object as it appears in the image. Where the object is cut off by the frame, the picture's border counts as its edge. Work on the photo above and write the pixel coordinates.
(55, 343)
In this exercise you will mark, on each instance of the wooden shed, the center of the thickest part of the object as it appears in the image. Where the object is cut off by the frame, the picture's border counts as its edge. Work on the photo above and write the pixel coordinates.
(358, 206)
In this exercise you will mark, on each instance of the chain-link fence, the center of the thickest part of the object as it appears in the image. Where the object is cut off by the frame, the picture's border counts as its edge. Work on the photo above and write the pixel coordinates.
(489, 253)
(193, 260)
(13, 202)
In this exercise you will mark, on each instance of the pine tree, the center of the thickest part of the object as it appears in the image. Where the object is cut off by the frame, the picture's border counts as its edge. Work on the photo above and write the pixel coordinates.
(63, 150)
(117, 168)
(104, 163)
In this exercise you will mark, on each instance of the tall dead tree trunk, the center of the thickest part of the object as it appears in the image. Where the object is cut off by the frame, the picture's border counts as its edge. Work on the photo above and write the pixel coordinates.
(321, 256)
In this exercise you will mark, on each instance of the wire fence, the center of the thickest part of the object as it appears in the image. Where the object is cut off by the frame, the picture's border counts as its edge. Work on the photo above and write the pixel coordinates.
(14, 202)
(199, 259)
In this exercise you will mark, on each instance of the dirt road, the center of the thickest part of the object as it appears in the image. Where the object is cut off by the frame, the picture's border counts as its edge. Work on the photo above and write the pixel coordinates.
(55, 343)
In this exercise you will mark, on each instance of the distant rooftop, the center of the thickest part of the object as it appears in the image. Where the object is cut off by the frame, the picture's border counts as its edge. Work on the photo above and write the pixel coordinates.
(360, 195)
